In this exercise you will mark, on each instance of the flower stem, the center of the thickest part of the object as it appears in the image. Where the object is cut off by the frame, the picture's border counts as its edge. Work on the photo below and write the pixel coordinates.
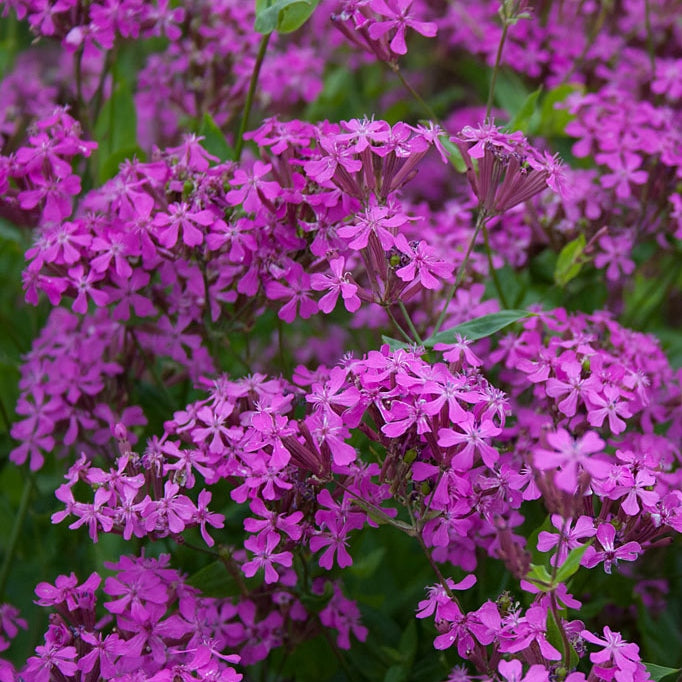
(493, 271)
(417, 97)
(262, 49)
(397, 325)
(496, 68)
(16, 531)
(480, 221)
(410, 324)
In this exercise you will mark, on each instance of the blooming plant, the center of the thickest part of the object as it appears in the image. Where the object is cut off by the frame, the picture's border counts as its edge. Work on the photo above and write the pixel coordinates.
(339, 340)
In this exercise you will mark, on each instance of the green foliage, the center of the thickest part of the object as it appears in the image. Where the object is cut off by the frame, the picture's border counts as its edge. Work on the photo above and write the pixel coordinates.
(479, 328)
(214, 139)
(283, 16)
(116, 132)
(570, 261)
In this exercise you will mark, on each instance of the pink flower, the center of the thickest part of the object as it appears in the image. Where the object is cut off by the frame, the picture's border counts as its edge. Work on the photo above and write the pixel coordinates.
(262, 546)
(399, 18)
(609, 554)
(339, 282)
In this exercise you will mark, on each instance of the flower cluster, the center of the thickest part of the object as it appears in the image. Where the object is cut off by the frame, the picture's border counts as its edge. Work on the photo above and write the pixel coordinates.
(272, 347)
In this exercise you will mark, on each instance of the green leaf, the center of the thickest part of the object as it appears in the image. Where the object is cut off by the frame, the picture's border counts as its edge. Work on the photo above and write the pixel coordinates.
(314, 603)
(510, 92)
(553, 632)
(570, 261)
(408, 643)
(214, 581)
(214, 140)
(540, 577)
(394, 344)
(480, 327)
(115, 130)
(396, 673)
(660, 672)
(570, 567)
(553, 121)
(283, 16)
(368, 564)
(521, 120)
(454, 154)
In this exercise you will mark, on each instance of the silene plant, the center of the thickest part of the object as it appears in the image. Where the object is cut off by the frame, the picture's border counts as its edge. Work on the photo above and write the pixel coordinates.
(340, 340)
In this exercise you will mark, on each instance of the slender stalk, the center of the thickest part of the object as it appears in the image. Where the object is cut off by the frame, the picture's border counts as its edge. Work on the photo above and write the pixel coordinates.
(335, 649)
(398, 326)
(417, 97)
(493, 271)
(480, 221)
(649, 37)
(5, 417)
(262, 49)
(496, 68)
(14, 537)
(410, 324)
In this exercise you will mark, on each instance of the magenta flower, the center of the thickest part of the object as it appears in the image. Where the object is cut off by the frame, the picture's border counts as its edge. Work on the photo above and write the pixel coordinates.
(615, 650)
(472, 438)
(203, 516)
(512, 671)
(615, 252)
(295, 291)
(180, 215)
(339, 282)
(253, 192)
(610, 405)
(334, 539)
(399, 19)
(380, 221)
(609, 554)
(530, 628)
(262, 546)
(40, 667)
(568, 538)
(571, 456)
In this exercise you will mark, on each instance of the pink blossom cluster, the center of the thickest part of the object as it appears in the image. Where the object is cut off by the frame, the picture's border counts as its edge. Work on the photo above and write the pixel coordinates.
(550, 451)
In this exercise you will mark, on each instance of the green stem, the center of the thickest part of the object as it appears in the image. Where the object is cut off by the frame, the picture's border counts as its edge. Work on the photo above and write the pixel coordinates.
(493, 271)
(649, 37)
(14, 537)
(496, 68)
(5, 417)
(480, 221)
(410, 324)
(262, 49)
(398, 326)
(418, 98)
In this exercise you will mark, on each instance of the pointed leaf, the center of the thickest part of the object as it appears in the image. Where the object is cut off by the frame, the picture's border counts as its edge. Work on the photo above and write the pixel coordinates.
(540, 577)
(480, 327)
(394, 344)
(116, 131)
(521, 120)
(660, 672)
(214, 581)
(214, 141)
(454, 154)
(570, 567)
(283, 16)
(570, 261)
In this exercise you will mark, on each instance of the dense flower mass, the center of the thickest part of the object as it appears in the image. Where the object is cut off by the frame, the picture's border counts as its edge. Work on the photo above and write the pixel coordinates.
(335, 355)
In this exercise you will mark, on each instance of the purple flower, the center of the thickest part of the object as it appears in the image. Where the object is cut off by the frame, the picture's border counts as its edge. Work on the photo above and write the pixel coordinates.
(609, 553)
(262, 546)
